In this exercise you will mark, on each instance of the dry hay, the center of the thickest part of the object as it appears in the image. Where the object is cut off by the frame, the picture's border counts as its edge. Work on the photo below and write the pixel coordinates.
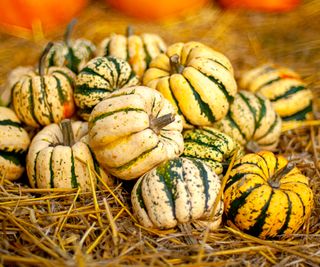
(70, 228)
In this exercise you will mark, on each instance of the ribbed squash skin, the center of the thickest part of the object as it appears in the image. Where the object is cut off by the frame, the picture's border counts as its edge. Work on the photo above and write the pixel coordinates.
(252, 118)
(210, 145)
(283, 87)
(50, 164)
(204, 89)
(138, 50)
(73, 55)
(42, 100)
(14, 142)
(258, 205)
(121, 137)
(100, 77)
(177, 191)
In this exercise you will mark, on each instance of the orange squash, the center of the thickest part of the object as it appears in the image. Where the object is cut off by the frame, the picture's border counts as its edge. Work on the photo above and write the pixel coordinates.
(155, 10)
(28, 14)
(266, 5)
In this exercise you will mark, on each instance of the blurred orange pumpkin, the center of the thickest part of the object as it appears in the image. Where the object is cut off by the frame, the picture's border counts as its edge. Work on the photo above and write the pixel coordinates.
(28, 14)
(261, 5)
(156, 9)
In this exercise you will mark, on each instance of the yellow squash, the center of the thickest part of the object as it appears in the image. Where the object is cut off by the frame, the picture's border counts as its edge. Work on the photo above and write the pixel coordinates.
(265, 197)
(196, 79)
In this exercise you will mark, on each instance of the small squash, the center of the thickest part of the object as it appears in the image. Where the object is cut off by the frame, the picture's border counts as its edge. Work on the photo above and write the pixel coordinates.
(100, 77)
(14, 142)
(13, 77)
(196, 79)
(265, 197)
(177, 191)
(43, 97)
(138, 50)
(133, 130)
(73, 54)
(211, 146)
(252, 121)
(290, 96)
(60, 157)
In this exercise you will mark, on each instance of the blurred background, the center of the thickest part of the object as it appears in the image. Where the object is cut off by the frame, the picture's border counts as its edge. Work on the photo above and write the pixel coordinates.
(249, 32)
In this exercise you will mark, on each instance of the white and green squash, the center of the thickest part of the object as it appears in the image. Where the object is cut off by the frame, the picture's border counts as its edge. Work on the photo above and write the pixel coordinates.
(290, 96)
(100, 77)
(45, 96)
(133, 130)
(197, 80)
(252, 122)
(73, 54)
(14, 142)
(211, 146)
(177, 191)
(138, 50)
(60, 157)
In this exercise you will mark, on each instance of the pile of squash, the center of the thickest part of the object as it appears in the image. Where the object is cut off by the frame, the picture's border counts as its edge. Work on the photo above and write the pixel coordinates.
(170, 118)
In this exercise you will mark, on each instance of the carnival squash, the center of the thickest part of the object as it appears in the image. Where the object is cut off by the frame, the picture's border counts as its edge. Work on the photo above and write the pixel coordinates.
(252, 121)
(265, 197)
(177, 191)
(60, 157)
(133, 130)
(73, 54)
(14, 142)
(290, 96)
(44, 97)
(196, 79)
(12, 78)
(100, 77)
(138, 50)
(211, 146)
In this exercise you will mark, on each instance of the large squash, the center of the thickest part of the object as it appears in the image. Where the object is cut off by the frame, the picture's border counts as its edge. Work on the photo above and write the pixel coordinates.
(100, 77)
(133, 130)
(252, 119)
(211, 146)
(196, 79)
(138, 50)
(290, 96)
(264, 197)
(14, 142)
(177, 191)
(60, 157)
(44, 97)
(73, 54)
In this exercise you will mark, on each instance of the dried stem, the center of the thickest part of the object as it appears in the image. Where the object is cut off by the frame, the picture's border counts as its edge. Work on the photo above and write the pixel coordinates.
(43, 58)
(157, 124)
(67, 132)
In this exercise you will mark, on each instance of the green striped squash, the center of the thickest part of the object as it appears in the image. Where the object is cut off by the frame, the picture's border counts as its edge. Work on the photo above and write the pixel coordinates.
(12, 78)
(265, 197)
(290, 96)
(100, 77)
(196, 79)
(133, 130)
(73, 54)
(45, 96)
(60, 157)
(177, 191)
(211, 146)
(14, 142)
(252, 119)
(138, 50)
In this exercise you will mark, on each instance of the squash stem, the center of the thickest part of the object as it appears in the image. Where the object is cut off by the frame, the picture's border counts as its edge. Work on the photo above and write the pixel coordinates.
(157, 124)
(43, 58)
(68, 32)
(67, 132)
(274, 181)
(129, 31)
(175, 65)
